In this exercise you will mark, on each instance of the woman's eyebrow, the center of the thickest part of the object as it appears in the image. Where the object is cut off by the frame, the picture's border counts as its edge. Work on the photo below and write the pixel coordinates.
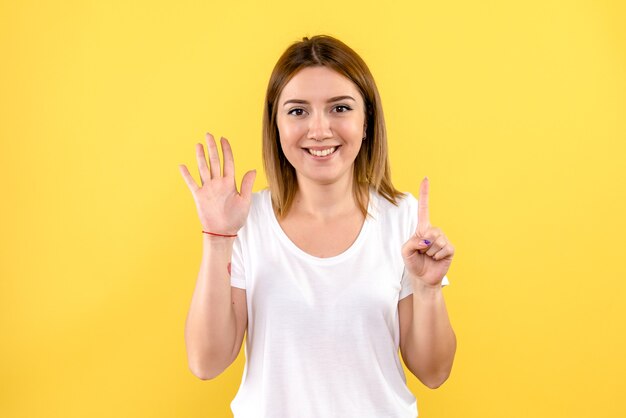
(332, 99)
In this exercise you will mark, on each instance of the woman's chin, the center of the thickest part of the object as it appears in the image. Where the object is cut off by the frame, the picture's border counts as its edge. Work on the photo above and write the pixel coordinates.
(324, 180)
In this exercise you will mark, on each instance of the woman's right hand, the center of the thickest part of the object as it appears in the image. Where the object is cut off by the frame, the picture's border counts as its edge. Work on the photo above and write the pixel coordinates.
(221, 208)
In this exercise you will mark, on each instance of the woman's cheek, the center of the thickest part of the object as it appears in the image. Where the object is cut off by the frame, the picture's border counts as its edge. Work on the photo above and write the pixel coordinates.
(351, 128)
(289, 131)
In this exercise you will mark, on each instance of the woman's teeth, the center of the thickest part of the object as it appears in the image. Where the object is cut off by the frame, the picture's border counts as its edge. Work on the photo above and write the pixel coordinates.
(322, 153)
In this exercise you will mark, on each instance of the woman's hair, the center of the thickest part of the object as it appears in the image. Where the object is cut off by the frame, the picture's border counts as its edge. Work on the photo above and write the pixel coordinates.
(371, 167)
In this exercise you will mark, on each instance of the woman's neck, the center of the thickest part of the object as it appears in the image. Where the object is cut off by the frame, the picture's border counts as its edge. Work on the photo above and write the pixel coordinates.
(324, 201)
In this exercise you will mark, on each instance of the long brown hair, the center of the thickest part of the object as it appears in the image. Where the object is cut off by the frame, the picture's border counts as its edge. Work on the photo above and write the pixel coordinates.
(371, 167)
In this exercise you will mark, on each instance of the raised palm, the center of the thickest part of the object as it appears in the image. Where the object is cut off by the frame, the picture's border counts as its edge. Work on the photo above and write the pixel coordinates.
(221, 208)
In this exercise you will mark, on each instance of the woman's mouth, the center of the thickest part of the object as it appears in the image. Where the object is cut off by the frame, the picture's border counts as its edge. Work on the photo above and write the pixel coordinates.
(321, 153)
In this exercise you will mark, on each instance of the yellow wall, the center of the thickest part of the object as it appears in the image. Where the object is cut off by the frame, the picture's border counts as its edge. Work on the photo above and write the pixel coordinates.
(516, 113)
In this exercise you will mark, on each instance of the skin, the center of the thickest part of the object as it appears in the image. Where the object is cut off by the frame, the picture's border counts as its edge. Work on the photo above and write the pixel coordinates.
(428, 263)
(427, 340)
(217, 317)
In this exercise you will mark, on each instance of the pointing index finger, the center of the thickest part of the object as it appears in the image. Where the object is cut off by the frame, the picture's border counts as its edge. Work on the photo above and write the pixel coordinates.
(423, 216)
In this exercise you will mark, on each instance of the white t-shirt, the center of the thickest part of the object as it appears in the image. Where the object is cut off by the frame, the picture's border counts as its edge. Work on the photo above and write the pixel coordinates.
(323, 333)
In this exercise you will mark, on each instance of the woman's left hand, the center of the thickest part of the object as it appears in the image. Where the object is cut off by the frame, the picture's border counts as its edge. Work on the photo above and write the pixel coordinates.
(428, 262)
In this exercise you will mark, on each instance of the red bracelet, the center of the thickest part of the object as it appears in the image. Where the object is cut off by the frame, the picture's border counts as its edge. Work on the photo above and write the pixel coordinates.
(218, 235)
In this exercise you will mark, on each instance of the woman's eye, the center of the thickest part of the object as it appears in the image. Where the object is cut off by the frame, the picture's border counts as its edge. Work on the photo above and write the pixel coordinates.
(291, 112)
(342, 107)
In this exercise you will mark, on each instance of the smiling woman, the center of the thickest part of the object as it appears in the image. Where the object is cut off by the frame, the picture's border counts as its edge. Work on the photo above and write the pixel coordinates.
(332, 269)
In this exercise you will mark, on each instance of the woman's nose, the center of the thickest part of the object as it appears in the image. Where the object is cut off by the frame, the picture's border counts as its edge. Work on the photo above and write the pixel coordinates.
(319, 127)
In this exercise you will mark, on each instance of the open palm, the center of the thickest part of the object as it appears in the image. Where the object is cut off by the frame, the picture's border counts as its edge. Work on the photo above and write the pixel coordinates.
(221, 208)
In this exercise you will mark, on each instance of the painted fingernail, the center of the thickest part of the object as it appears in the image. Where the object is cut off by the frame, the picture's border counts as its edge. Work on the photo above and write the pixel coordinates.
(426, 242)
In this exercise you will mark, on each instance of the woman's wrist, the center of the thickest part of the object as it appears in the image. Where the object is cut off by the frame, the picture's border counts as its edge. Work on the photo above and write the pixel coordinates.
(424, 289)
(217, 240)
(219, 234)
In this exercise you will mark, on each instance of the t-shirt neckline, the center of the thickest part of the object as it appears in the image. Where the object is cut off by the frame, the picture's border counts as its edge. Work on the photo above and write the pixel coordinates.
(282, 236)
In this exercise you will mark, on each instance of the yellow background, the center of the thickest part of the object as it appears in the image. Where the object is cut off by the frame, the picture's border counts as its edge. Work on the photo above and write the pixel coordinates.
(514, 110)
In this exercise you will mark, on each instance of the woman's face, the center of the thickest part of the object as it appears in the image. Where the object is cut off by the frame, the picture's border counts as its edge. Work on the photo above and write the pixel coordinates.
(321, 123)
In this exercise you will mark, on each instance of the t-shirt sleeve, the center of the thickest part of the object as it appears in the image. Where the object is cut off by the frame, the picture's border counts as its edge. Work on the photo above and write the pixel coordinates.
(406, 287)
(237, 272)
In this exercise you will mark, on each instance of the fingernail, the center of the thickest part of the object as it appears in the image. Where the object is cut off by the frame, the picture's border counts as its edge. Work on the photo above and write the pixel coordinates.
(426, 242)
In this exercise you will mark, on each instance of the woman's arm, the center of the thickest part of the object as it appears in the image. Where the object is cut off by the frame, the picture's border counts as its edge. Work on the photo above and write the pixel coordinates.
(426, 335)
(211, 327)
(428, 343)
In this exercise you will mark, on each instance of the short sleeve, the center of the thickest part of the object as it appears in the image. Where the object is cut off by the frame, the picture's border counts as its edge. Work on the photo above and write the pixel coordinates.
(237, 272)
(407, 287)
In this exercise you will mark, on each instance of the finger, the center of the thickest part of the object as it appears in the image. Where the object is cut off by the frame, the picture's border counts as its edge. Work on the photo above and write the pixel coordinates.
(203, 168)
(246, 184)
(410, 247)
(436, 246)
(229, 162)
(427, 238)
(188, 179)
(214, 157)
(446, 251)
(423, 216)
(416, 243)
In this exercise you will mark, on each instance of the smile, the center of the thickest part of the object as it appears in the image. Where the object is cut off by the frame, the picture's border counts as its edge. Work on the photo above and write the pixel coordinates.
(322, 153)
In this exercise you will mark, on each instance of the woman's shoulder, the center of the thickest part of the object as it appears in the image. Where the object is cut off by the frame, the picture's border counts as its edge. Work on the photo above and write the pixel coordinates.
(257, 215)
(396, 220)
(257, 197)
(260, 200)
(403, 203)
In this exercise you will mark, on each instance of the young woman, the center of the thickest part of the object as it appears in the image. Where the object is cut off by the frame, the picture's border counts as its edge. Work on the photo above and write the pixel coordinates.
(333, 269)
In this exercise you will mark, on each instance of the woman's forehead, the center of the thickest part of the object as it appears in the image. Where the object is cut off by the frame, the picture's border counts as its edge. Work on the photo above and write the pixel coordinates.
(318, 84)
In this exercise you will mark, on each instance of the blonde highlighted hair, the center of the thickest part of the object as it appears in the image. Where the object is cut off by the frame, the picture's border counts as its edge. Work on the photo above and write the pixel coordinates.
(371, 167)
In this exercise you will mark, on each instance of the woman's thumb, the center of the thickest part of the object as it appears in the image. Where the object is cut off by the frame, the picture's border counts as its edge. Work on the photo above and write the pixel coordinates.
(246, 184)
